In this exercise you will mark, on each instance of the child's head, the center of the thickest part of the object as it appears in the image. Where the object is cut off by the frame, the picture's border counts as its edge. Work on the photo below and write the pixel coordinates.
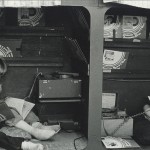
(3, 67)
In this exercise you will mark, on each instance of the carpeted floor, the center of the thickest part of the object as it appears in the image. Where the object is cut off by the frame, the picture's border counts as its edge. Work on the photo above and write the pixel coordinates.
(64, 141)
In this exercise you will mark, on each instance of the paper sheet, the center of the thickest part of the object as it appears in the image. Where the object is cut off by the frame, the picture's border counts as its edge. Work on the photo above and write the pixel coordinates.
(22, 106)
(137, 3)
(117, 142)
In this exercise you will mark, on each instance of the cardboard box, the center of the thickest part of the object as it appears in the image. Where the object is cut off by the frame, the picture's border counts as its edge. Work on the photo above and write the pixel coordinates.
(109, 125)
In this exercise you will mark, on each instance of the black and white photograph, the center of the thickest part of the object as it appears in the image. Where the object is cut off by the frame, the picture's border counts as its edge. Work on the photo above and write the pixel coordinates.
(74, 74)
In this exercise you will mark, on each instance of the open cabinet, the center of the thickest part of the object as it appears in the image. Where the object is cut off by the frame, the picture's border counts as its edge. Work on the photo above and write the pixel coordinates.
(55, 40)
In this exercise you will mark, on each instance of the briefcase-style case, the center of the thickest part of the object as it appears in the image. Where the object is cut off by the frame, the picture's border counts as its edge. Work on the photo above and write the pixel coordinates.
(60, 89)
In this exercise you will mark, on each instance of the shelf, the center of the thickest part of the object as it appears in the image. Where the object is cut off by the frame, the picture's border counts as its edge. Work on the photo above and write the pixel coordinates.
(31, 31)
(34, 59)
(36, 65)
(127, 43)
(127, 74)
(60, 100)
(38, 62)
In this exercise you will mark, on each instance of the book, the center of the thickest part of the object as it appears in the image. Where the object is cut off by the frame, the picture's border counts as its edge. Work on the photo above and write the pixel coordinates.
(117, 142)
(23, 107)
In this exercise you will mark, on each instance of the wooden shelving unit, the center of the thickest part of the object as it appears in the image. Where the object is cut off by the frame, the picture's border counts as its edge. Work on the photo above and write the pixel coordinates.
(96, 10)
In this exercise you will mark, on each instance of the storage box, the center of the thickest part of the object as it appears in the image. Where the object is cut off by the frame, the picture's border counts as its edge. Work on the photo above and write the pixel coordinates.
(113, 59)
(60, 89)
(109, 125)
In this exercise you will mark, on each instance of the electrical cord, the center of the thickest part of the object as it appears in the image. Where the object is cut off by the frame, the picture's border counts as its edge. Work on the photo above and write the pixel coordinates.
(31, 90)
(67, 131)
(104, 127)
(74, 143)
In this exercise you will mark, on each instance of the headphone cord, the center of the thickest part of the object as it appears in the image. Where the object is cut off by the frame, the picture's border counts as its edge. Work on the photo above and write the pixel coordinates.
(31, 90)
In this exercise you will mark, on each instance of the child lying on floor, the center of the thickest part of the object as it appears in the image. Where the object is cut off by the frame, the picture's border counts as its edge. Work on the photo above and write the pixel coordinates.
(17, 143)
(31, 124)
(142, 125)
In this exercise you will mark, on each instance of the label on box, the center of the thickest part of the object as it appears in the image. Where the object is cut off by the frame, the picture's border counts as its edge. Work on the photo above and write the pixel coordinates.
(134, 27)
(30, 17)
(114, 59)
(111, 26)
